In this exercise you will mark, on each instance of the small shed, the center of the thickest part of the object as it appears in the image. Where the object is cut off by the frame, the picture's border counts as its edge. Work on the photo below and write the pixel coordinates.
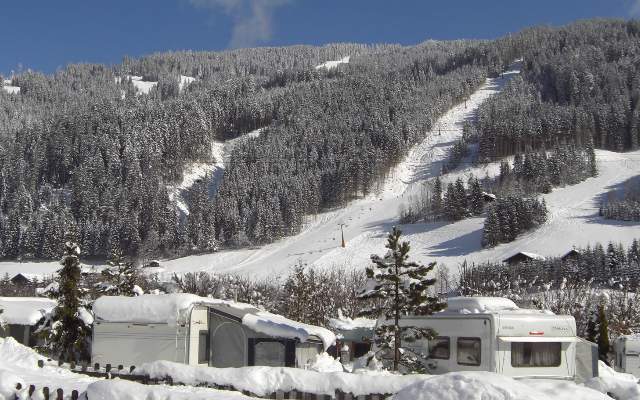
(21, 316)
(572, 255)
(195, 330)
(521, 257)
(21, 279)
(354, 337)
(488, 197)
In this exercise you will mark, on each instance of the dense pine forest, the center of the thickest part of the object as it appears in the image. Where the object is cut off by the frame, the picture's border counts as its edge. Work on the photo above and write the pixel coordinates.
(84, 156)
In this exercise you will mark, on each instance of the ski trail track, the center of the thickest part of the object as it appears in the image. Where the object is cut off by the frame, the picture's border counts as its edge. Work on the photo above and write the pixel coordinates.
(573, 216)
(366, 220)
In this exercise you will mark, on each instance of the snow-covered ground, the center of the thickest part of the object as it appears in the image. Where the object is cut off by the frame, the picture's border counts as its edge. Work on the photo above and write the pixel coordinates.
(18, 364)
(367, 220)
(6, 85)
(573, 216)
(329, 65)
(220, 153)
(142, 87)
(185, 81)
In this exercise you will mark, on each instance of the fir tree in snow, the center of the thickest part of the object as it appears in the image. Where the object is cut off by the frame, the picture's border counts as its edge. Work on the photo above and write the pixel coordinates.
(400, 288)
(122, 277)
(66, 334)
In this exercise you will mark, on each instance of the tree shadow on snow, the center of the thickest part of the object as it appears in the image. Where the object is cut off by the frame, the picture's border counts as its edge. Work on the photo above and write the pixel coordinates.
(458, 246)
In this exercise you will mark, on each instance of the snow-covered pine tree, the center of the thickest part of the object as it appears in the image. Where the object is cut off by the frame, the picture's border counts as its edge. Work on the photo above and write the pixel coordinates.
(121, 276)
(66, 334)
(476, 201)
(436, 198)
(399, 288)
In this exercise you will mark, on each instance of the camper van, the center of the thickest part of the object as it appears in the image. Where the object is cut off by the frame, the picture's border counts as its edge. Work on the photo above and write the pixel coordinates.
(493, 334)
(627, 349)
(195, 330)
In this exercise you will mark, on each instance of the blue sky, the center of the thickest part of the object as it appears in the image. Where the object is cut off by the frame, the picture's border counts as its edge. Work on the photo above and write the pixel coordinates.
(46, 35)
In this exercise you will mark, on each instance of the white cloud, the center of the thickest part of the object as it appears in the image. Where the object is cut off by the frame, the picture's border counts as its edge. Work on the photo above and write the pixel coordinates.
(252, 19)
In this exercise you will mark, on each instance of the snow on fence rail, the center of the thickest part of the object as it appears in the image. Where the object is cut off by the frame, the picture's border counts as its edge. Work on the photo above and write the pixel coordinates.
(304, 392)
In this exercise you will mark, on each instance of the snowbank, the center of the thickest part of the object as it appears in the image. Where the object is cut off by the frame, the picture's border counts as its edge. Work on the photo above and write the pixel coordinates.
(125, 390)
(8, 383)
(490, 386)
(174, 308)
(622, 386)
(263, 381)
(19, 364)
(325, 363)
(24, 310)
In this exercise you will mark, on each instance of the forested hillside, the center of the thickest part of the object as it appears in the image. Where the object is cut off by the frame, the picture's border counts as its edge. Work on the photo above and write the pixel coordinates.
(85, 155)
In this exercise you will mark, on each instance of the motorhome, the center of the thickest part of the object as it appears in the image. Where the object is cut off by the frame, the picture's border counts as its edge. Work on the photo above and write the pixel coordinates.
(627, 350)
(493, 334)
(194, 330)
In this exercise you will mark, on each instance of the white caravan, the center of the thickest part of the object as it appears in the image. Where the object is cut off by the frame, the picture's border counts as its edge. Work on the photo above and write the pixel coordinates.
(493, 334)
(627, 349)
(185, 328)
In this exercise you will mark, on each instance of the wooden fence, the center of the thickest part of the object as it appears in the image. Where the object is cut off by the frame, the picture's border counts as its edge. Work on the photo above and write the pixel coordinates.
(108, 372)
(47, 393)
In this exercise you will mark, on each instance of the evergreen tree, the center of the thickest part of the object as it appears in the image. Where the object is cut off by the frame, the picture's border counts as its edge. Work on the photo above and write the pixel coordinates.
(436, 198)
(476, 205)
(67, 335)
(121, 276)
(399, 287)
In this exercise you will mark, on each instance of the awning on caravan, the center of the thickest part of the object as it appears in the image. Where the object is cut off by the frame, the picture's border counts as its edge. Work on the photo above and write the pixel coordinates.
(538, 339)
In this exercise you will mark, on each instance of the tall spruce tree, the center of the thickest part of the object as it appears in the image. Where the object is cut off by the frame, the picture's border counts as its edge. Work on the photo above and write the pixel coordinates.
(66, 334)
(399, 288)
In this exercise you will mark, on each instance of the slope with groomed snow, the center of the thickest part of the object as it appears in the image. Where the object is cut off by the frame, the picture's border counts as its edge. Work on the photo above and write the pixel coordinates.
(7, 87)
(573, 218)
(366, 220)
(329, 65)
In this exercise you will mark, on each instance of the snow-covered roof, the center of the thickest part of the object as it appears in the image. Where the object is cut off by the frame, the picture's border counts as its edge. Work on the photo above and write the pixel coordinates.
(486, 305)
(533, 256)
(343, 323)
(175, 308)
(24, 310)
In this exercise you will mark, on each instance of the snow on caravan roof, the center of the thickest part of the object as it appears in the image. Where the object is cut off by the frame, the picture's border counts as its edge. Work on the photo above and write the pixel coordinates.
(486, 305)
(175, 308)
(24, 310)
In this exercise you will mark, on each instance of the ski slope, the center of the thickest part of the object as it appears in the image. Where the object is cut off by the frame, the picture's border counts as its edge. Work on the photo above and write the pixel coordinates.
(366, 221)
(573, 214)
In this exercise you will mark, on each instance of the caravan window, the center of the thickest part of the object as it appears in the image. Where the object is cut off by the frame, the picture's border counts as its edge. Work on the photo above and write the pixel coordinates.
(440, 348)
(529, 354)
(270, 354)
(469, 352)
